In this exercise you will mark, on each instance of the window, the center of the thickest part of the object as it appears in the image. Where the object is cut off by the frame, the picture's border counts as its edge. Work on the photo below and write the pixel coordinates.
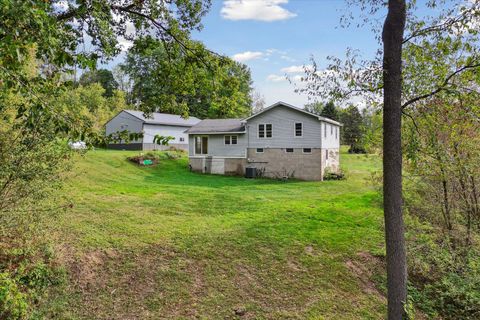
(201, 145)
(331, 130)
(298, 129)
(336, 132)
(259, 150)
(261, 131)
(231, 140)
(268, 128)
(289, 150)
(326, 154)
(325, 130)
(307, 150)
(182, 139)
(265, 130)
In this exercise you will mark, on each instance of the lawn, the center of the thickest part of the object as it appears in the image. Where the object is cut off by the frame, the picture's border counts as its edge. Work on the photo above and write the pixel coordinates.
(164, 243)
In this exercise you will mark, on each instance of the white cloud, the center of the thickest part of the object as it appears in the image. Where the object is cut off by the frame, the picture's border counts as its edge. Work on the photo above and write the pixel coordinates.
(296, 69)
(287, 58)
(276, 78)
(247, 55)
(262, 10)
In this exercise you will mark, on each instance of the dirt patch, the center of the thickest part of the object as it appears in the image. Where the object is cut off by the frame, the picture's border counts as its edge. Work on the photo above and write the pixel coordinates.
(364, 267)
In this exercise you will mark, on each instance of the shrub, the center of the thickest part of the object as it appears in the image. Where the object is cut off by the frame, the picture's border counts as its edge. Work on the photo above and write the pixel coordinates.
(330, 175)
(13, 304)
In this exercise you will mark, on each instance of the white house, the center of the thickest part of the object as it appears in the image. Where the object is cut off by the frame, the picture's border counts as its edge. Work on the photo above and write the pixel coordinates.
(157, 124)
(279, 141)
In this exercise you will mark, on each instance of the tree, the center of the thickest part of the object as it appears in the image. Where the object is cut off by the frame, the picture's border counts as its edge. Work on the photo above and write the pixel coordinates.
(314, 107)
(168, 80)
(438, 50)
(352, 131)
(103, 77)
(258, 101)
(392, 37)
(329, 111)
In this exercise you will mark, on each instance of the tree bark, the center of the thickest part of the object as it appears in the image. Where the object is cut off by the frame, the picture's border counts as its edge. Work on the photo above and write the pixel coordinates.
(392, 37)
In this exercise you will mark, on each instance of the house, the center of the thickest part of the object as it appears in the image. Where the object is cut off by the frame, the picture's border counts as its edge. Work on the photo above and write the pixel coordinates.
(162, 124)
(279, 141)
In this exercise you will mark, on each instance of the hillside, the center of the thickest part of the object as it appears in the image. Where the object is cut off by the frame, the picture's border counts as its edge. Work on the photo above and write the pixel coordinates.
(162, 242)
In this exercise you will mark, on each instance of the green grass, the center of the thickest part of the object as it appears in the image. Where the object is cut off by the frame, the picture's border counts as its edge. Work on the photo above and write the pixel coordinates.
(162, 242)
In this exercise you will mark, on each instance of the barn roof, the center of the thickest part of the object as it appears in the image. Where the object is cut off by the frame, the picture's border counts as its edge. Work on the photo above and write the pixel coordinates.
(164, 118)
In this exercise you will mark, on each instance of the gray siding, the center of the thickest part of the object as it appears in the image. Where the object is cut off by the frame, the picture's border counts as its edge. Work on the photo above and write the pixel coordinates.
(174, 131)
(124, 121)
(217, 147)
(283, 129)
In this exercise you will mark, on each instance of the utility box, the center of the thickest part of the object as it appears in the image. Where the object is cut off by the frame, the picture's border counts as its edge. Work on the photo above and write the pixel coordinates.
(250, 172)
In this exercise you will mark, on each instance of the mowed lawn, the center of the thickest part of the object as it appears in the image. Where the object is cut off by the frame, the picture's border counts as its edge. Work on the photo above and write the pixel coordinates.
(164, 243)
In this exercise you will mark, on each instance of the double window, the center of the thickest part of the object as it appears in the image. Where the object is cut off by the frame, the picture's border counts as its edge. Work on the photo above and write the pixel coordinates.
(307, 150)
(265, 130)
(201, 145)
(298, 129)
(231, 140)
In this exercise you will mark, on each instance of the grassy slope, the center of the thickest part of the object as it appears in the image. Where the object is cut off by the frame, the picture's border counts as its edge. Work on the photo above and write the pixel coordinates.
(162, 242)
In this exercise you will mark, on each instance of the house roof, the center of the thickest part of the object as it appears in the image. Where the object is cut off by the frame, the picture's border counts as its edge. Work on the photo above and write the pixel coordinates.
(213, 126)
(164, 118)
(280, 103)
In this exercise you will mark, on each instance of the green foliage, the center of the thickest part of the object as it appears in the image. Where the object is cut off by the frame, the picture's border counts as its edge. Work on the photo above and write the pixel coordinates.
(162, 140)
(352, 121)
(314, 107)
(103, 77)
(330, 111)
(169, 79)
(13, 304)
(330, 175)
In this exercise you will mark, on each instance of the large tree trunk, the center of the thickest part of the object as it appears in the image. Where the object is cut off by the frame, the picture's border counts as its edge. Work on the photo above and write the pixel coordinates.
(392, 158)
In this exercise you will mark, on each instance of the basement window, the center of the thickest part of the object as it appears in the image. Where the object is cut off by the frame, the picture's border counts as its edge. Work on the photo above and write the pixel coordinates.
(289, 150)
(307, 150)
(259, 150)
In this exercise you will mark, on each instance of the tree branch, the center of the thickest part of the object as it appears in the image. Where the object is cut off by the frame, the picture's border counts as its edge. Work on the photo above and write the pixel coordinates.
(442, 87)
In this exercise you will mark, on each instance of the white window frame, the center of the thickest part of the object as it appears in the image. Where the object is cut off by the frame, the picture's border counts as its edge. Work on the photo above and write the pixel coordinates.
(331, 130)
(256, 150)
(303, 150)
(264, 130)
(182, 139)
(293, 150)
(324, 129)
(230, 140)
(295, 130)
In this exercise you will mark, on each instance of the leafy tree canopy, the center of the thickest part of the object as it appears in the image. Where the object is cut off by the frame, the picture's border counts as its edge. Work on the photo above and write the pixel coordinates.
(102, 76)
(168, 79)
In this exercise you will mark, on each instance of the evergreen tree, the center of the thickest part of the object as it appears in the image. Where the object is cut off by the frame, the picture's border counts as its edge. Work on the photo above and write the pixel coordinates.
(329, 111)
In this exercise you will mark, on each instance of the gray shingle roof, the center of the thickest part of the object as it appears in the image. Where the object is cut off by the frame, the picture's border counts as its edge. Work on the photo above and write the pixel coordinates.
(164, 118)
(217, 126)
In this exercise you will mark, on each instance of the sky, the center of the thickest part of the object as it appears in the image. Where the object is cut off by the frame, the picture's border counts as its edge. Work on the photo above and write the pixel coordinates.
(277, 37)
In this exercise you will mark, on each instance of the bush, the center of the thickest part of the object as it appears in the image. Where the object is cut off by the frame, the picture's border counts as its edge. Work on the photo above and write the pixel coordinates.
(357, 149)
(13, 304)
(329, 175)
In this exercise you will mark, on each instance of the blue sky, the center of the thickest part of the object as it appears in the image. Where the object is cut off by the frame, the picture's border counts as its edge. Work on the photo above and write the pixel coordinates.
(274, 37)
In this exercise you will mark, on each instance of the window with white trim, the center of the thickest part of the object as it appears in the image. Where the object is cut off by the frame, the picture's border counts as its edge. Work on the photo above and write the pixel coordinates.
(265, 130)
(259, 150)
(325, 130)
(182, 139)
(307, 150)
(231, 140)
(289, 150)
(336, 132)
(331, 130)
(298, 129)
